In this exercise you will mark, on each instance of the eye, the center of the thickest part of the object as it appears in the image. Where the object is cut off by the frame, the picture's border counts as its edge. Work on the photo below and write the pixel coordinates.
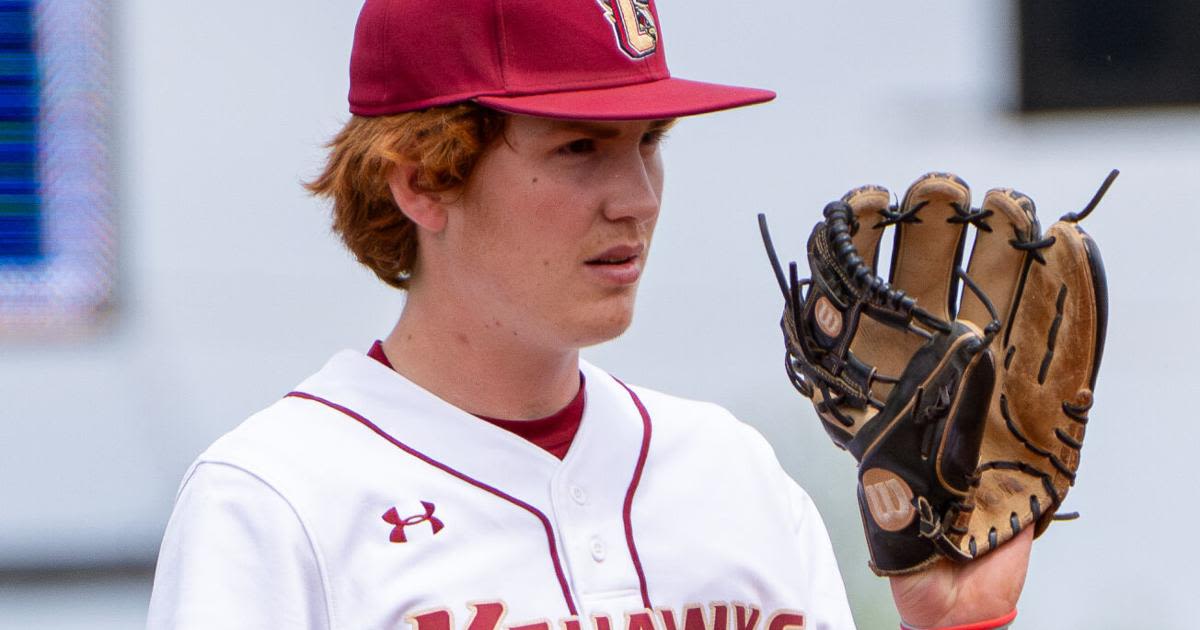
(654, 137)
(578, 147)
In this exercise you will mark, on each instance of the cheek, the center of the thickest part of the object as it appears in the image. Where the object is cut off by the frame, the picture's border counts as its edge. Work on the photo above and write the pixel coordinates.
(655, 169)
(529, 231)
(552, 215)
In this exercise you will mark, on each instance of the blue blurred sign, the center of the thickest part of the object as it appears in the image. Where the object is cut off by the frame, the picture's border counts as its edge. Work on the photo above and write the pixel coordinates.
(57, 231)
(20, 204)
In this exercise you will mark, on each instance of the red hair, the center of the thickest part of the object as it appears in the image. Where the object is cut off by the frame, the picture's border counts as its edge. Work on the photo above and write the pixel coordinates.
(443, 142)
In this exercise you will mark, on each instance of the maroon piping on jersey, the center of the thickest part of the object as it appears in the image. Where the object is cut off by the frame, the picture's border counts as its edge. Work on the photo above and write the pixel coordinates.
(637, 477)
(562, 580)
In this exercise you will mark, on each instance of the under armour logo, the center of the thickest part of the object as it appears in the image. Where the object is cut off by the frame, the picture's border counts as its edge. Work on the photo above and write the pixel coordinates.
(393, 517)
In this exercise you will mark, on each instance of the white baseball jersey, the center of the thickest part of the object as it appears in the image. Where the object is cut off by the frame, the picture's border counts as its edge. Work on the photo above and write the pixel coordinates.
(363, 501)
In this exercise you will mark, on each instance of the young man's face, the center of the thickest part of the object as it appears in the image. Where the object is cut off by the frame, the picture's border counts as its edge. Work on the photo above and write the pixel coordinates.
(550, 236)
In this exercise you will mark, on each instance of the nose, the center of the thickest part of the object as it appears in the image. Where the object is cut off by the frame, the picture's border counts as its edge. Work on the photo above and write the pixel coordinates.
(635, 189)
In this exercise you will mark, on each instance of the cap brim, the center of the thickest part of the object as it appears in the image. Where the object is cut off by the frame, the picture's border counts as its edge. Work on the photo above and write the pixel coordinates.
(664, 98)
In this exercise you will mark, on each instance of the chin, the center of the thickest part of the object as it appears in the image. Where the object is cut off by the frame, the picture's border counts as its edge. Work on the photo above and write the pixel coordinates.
(603, 324)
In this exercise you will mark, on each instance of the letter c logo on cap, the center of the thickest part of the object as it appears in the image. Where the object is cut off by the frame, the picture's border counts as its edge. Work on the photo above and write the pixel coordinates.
(637, 35)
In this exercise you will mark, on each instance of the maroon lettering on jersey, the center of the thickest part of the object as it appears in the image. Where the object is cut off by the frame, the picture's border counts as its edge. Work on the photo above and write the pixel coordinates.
(641, 620)
(720, 617)
(489, 616)
(431, 620)
(785, 620)
(746, 617)
(693, 618)
(485, 616)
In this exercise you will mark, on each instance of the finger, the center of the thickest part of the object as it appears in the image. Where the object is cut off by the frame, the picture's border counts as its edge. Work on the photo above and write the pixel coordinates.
(928, 245)
(996, 266)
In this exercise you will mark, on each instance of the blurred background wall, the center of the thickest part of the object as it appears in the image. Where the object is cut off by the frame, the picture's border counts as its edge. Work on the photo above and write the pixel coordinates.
(230, 288)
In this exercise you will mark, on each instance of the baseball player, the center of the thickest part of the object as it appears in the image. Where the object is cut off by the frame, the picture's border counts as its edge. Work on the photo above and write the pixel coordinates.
(470, 471)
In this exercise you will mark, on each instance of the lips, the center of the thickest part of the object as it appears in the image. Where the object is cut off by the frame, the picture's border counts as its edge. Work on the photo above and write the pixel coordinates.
(617, 255)
(619, 265)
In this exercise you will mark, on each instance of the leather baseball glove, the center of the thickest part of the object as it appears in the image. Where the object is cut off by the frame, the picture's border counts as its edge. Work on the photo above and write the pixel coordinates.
(966, 416)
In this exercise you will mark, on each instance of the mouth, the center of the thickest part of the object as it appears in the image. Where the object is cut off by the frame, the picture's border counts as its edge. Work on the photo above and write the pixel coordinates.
(616, 256)
(617, 266)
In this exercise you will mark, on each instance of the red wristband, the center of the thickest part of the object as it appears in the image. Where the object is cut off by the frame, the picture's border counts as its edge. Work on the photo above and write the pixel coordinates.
(992, 624)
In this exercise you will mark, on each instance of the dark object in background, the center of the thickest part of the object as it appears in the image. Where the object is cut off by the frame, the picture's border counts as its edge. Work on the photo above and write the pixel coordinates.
(1109, 53)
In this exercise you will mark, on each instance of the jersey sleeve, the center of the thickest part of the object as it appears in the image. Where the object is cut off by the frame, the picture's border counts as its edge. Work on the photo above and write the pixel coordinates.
(824, 579)
(820, 579)
(235, 555)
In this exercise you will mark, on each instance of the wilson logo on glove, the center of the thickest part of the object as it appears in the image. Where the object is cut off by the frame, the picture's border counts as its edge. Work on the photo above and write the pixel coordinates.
(889, 499)
(828, 317)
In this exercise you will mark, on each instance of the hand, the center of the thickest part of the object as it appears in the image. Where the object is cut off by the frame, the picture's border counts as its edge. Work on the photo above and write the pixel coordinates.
(949, 593)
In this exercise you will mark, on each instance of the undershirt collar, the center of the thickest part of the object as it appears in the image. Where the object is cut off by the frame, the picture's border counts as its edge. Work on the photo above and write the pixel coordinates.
(554, 433)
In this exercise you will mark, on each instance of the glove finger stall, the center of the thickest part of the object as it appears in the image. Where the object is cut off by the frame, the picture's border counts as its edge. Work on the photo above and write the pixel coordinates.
(929, 241)
(1036, 428)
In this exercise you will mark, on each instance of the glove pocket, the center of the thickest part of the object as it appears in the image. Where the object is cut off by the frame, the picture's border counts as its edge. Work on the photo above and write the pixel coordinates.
(916, 471)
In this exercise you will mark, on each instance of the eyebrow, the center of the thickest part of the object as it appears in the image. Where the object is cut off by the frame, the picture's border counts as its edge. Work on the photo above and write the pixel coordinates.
(601, 130)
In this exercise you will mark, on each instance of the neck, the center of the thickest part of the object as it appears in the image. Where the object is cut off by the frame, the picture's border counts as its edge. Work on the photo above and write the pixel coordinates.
(475, 364)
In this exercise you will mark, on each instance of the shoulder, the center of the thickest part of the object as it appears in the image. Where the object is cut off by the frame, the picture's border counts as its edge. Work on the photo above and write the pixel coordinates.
(227, 511)
(293, 439)
(730, 468)
(279, 437)
(677, 418)
(718, 448)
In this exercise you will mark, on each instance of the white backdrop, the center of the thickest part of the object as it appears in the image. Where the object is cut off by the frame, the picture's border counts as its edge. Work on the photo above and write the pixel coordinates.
(232, 290)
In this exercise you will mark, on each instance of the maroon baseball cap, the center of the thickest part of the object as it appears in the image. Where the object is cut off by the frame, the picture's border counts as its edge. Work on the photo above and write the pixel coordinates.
(581, 59)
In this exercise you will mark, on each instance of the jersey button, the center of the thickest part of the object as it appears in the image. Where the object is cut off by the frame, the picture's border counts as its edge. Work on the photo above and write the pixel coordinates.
(578, 495)
(598, 550)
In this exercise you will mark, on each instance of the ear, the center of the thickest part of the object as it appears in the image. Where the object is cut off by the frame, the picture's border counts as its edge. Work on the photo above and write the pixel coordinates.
(421, 207)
